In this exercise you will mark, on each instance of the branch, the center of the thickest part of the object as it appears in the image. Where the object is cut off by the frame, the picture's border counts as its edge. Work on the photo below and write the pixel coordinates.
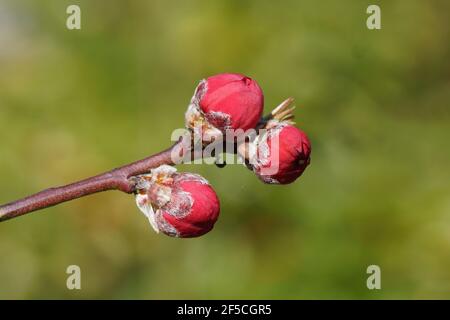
(116, 179)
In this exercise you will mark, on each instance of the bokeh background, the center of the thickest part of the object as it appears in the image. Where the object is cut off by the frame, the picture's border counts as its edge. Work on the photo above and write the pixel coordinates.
(374, 103)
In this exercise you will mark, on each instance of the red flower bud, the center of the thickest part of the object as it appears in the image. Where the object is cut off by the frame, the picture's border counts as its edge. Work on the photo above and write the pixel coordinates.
(225, 101)
(280, 154)
(177, 204)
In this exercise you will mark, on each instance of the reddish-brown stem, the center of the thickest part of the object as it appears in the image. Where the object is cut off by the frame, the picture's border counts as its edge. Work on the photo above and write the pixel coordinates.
(116, 179)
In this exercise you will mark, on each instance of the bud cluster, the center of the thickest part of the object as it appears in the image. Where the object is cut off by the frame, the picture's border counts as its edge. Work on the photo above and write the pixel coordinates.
(184, 204)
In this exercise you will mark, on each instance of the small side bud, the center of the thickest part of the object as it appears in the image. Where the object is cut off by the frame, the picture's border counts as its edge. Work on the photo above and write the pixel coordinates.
(281, 152)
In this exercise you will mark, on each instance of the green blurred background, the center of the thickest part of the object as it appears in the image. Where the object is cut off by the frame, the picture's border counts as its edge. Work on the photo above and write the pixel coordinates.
(374, 103)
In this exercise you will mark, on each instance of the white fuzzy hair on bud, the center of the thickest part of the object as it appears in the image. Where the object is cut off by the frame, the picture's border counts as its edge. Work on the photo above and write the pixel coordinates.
(196, 119)
(162, 194)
